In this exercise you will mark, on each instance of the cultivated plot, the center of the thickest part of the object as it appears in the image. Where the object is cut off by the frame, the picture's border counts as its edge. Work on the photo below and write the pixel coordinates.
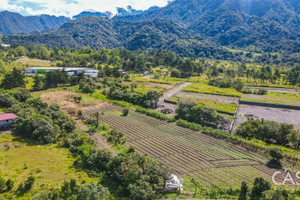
(187, 152)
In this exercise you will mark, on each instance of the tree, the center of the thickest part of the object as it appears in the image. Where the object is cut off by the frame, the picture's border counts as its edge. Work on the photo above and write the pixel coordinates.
(294, 75)
(153, 96)
(13, 79)
(259, 186)
(276, 154)
(93, 192)
(115, 137)
(244, 191)
(200, 114)
(294, 139)
(37, 82)
(21, 51)
(175, 73)
(141, 190)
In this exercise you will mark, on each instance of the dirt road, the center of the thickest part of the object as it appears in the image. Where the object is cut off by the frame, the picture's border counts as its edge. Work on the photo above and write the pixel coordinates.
(169, 94)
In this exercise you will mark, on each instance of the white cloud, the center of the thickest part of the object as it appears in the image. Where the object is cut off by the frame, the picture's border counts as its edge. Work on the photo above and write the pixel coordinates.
(73, 7)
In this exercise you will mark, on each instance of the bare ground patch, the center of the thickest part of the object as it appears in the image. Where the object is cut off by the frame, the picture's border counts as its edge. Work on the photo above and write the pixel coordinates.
(65, 100)
(274, 114)
(207, 97)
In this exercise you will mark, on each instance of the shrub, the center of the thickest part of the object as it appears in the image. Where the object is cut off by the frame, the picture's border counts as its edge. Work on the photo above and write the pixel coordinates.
(2, 185)
(190, 125)
(125, 112)
(261, 92)
(9, 185)
(259, 186)
(28, 184)
(150, 113)
(276, 154)
(77, 99)
(114, 137)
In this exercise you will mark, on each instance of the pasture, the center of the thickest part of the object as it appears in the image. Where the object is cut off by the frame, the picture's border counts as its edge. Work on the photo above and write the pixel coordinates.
(49, 164)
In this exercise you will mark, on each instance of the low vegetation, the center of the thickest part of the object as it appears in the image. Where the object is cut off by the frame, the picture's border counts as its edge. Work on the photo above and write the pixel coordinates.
(207, 89)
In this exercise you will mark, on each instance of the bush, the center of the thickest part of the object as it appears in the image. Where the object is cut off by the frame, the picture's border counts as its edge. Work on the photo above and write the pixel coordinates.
(154, 114)
(116, 138)
(175, 73)
(190, 125)
(259, 186)
(276, 153)
(261, 92)
(125, 112)
(28, 184)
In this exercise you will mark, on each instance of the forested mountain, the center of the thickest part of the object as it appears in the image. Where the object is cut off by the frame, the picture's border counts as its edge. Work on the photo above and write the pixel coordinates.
(12, 23)
(267, 25)
(197, 28)
(93, 13)
(99, 32)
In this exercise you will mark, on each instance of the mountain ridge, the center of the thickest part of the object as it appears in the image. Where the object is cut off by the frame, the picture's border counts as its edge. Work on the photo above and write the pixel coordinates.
(12, 23)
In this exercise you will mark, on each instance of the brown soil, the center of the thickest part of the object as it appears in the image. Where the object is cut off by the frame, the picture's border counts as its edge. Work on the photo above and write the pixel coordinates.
(65, 100)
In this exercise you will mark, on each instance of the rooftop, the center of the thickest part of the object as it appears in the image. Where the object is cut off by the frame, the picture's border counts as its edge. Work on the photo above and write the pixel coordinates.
(7, 116)
(61, 68)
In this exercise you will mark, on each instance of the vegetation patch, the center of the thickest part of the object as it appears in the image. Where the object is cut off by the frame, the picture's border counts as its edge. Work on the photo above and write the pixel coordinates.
(50, 165)
(208, 89)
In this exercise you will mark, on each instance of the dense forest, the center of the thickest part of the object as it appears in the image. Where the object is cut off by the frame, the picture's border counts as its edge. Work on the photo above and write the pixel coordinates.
(259, 25)
(99, 33)
(252, 31)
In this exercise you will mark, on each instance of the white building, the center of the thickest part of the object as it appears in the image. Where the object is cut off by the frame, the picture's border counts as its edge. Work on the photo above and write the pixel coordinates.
(72, 71)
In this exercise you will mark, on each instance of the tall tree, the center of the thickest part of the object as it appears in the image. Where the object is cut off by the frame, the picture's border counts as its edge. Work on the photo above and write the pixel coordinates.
(13, 79)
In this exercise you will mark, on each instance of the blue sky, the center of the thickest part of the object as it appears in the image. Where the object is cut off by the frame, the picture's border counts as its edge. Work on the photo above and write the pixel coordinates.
(73, 7)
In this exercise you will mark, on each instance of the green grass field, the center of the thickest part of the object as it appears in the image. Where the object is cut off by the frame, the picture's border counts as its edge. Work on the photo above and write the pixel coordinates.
(274, 97)
(213, 104)
(49, 164)
(208, 89)
(162, 81)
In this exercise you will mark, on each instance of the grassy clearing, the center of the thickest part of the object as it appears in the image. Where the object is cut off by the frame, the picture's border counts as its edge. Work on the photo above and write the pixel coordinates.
(215, 105)
(208, 89)
(143, 89)
(35, 62)
(49, 164)
(161, 81)
(274, 97)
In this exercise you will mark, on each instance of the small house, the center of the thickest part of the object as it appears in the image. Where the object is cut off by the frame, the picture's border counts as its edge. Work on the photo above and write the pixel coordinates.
(7, 120)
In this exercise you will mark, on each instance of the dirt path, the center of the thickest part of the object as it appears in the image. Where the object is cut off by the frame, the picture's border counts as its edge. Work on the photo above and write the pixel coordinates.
(169, 94)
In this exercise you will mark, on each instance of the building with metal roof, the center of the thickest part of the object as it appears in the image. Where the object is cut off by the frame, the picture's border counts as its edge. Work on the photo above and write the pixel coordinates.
(72, 71)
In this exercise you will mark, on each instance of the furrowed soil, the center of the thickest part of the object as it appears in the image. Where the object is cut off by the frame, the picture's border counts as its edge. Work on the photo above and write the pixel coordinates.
(184, 152)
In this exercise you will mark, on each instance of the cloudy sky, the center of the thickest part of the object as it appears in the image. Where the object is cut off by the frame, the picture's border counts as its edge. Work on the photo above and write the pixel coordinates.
(73, 7)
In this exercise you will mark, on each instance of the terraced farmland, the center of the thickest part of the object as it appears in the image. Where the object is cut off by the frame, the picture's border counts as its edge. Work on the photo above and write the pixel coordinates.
(187, 152)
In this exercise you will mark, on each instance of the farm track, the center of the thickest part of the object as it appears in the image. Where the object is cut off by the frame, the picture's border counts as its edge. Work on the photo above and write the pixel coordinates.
(187, 152)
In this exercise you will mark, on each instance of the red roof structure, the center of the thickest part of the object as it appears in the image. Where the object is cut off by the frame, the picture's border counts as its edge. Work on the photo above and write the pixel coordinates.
(7, 116)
